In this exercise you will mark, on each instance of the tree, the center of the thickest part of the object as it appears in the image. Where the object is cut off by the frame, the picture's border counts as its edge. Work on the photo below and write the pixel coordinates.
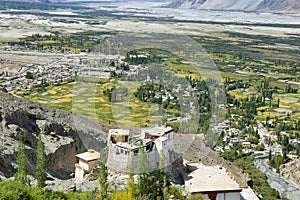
(41, 164)
(154, 184)
(141, 159)
(103, 174)
(29, 75)
(130, 180)
(130, 188)
(21, 174)
(166, 188)
(298, 149)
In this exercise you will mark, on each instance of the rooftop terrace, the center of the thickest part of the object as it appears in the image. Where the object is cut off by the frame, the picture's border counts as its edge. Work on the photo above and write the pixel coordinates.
(209, 178)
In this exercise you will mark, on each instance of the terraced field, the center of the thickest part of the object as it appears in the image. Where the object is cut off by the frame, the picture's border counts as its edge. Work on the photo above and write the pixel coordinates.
(87, 100)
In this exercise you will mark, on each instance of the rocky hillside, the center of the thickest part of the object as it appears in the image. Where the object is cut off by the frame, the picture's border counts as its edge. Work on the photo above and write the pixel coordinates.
(291, 170)
(63, 133)
(240, 5)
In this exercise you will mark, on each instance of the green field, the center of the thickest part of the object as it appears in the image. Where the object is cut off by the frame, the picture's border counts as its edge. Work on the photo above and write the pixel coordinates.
(87, 100)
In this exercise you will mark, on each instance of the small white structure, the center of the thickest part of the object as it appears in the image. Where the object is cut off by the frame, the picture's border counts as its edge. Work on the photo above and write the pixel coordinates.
(87, 161)
(212, 182)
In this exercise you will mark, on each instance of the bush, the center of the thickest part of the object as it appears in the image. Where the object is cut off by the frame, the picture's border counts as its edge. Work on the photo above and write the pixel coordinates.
(14, 190)
(196, 197)
(29, 75)
(176, 192)
(260, 183)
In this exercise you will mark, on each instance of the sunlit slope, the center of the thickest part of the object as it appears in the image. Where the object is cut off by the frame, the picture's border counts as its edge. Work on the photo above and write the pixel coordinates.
(242, 5)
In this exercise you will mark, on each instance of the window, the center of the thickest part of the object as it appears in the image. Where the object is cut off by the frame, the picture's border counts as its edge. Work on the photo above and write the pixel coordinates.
(113, 139)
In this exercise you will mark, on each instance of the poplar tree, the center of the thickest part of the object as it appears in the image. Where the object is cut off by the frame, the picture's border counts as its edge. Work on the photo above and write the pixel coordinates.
(143, 183)
(103, 174)
(21, 174)
(141, 159)
(130, 179)
(41, 164)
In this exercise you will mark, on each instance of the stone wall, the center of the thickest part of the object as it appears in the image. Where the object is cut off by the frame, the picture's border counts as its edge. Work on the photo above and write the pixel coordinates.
(119, 161)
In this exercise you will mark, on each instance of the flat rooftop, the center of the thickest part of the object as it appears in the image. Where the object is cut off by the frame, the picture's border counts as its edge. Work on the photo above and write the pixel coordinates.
(128, 146)
(133, 144)
(209, 178)
(118, 132)
(157, 130)
(89, 155)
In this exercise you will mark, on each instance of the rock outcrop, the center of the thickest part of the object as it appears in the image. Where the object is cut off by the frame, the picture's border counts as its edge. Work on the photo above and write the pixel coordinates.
(63, 133)
(291, 170)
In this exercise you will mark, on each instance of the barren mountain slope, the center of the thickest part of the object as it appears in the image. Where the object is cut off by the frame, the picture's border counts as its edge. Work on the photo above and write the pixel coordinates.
(241, 5)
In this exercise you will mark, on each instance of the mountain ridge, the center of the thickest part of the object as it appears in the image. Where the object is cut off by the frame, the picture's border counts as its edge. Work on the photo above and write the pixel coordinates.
(240, 5)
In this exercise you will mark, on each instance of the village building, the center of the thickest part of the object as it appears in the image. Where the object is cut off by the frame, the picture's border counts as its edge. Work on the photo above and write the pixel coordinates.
(155, 142)
(86, 162)
(212, 182)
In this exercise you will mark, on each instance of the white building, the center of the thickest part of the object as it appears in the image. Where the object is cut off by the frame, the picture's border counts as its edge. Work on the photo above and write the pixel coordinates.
(87, 161)
(212, 182)
(156, 142)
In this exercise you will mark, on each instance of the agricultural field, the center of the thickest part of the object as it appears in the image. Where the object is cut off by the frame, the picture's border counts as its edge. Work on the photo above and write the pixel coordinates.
(87, 100)
(260, 66)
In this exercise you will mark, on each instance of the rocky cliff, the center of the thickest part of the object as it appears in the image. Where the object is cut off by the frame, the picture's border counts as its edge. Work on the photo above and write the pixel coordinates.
(291, 170)
(63, 133)
(240, 5)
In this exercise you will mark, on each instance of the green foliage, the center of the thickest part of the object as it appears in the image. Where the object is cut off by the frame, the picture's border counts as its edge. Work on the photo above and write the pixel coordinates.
(130, 188)
(15, 190)
(174, 125)
(41, 164)
(29, 75)
(234, 153)
(151, 184)
(138, 57)
(270, 155)
(260, 183)
(276, 161)
(253, 140)
(196, 197)
(166, 188)
(298, 150)
(78, 42)
(141, 159)
(103, 174)
(21, 174)
(176, 192)
(120, 195)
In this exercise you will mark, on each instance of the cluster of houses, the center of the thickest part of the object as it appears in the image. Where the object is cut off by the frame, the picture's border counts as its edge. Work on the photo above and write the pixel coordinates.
(18, 76)
(235, 136)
